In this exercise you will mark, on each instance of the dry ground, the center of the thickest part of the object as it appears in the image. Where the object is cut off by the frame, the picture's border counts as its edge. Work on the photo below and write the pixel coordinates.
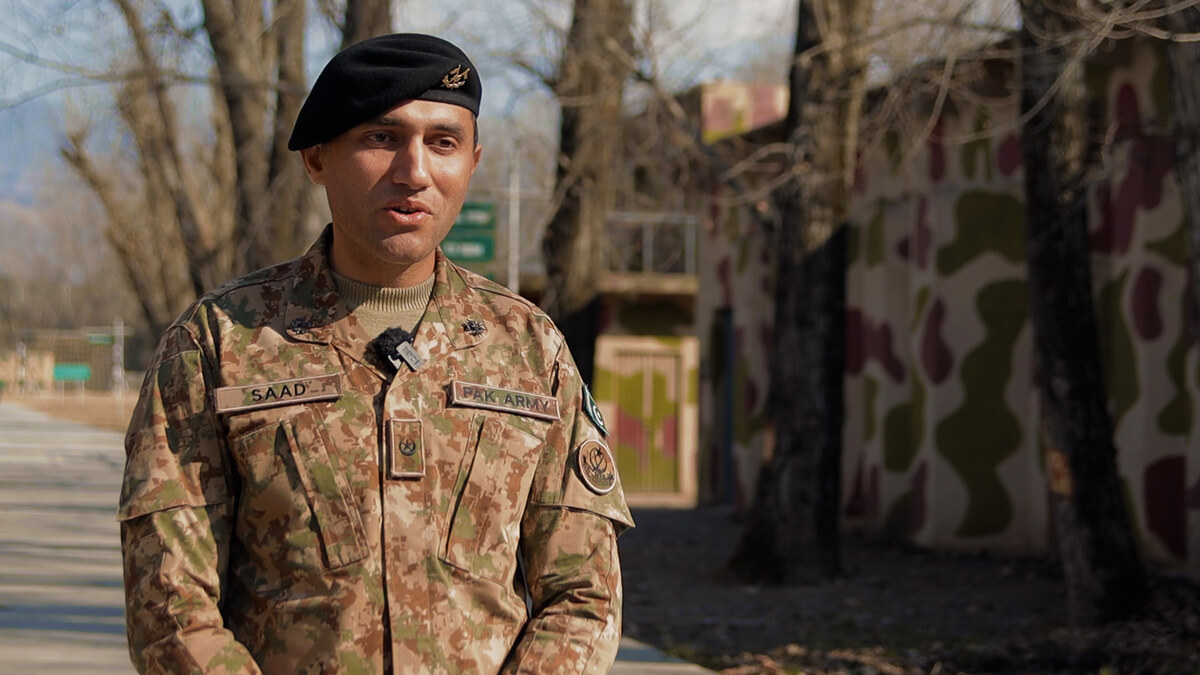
(900, 610)
(97, 409)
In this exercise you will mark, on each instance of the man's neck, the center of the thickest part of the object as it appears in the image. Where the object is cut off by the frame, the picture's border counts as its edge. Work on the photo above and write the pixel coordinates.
(378, 308)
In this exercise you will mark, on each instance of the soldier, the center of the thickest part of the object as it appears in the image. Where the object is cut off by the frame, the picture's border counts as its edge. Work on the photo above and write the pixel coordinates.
(368, 459)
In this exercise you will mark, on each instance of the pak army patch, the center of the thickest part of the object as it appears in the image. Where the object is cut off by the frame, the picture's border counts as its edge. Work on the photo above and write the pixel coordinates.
(597, 468)
(505, 400)
(593, 411)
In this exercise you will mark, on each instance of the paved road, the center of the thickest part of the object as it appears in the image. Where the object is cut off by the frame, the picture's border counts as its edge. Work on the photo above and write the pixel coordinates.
(60, 563)
(61, 605)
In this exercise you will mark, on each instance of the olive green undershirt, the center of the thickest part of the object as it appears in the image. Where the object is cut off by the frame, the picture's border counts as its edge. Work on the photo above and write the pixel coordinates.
(378, 308)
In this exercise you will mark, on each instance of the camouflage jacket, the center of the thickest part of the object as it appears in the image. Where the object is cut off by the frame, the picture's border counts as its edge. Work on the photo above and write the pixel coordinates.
(290, 506)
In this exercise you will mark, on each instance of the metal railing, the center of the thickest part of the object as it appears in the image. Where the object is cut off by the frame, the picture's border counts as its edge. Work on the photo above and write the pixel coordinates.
(652, 242)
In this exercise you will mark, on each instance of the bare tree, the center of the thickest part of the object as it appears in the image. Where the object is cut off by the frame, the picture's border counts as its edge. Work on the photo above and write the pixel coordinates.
(229, 198)
(596, 62)
(361, 20)
(260, 71)
(58, 273)
(1104, 575)
(792, 533)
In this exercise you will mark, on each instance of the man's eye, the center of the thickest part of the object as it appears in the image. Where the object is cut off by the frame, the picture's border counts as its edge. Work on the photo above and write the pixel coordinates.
(378, 138)
(445, 143)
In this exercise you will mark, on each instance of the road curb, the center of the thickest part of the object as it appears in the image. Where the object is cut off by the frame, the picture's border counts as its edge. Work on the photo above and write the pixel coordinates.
(639, 658)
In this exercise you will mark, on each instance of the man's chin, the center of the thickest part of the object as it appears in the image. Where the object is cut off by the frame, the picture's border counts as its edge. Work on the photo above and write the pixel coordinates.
(404, 259)
(405, 256)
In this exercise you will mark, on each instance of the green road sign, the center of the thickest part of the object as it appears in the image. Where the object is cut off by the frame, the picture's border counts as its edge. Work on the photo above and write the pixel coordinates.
(99, 339)
(476, 215)
(72, 372)
(473, 237)
(469, 246)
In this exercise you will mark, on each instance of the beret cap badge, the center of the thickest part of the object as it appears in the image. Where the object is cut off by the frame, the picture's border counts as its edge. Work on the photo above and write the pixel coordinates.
(456, 78)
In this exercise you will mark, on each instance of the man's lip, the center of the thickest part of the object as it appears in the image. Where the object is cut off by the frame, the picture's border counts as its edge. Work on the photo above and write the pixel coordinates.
(413, 216)
(407, 206)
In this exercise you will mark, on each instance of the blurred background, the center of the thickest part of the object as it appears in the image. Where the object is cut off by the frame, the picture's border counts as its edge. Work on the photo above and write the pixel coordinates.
(857, 280)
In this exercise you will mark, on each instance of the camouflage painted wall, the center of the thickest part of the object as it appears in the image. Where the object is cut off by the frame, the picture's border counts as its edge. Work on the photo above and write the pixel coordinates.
(734, 314)
(941, 437)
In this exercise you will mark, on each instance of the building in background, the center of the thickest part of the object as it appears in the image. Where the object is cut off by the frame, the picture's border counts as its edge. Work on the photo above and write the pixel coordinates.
(648, 356)
(44, 361)
(941, 441)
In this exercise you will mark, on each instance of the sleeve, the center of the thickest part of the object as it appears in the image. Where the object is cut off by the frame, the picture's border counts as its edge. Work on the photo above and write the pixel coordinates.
(176, 522)
(569, 543)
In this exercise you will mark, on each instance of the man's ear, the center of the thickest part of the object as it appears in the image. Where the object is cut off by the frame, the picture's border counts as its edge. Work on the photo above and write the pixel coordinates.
(313, 164)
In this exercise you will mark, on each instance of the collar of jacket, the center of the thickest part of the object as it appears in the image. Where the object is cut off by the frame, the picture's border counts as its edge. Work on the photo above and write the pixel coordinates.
(314, 304)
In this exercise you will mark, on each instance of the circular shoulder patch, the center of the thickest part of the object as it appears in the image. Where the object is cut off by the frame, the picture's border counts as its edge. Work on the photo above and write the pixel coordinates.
(597, 468)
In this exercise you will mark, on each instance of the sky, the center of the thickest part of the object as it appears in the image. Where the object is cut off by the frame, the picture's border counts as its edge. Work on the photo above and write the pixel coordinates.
(699, 40)
(32, 100)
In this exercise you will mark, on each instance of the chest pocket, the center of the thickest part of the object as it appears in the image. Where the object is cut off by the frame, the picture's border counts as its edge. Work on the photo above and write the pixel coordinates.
(295, 514)
(485, 525)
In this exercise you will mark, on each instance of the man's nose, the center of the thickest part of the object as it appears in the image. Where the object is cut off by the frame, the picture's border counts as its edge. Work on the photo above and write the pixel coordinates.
(410, 166)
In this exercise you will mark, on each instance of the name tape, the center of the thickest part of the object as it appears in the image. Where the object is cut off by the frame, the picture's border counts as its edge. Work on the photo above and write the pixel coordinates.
(284, 392)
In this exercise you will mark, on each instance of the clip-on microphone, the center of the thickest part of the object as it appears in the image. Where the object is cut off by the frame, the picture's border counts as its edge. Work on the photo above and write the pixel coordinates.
(394, 345)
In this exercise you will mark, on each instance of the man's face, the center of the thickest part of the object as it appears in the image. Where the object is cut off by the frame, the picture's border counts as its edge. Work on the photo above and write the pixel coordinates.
(395, 185)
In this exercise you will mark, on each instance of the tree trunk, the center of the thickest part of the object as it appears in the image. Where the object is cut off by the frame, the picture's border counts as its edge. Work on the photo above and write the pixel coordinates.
(159, 289)
(596, 62)
(1104, 575)
(255, 61)
(364, 19)
(289, 186)
(235, 30)
(1183, 58)
(792, 533)
(150, 115)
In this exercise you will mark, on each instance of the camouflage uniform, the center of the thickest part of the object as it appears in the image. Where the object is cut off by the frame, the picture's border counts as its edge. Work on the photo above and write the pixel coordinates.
(291, 507)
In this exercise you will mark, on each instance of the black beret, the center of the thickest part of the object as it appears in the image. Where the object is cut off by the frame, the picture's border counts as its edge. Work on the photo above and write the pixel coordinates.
(369, 78)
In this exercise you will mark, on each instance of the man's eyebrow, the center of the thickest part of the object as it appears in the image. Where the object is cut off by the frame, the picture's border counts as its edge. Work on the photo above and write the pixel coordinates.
(452, 128)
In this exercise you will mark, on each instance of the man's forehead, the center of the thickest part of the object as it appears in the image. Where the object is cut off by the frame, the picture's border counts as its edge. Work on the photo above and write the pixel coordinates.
(424, 113)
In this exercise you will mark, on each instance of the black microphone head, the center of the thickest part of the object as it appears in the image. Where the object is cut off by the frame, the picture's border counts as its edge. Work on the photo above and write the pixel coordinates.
(387, 344)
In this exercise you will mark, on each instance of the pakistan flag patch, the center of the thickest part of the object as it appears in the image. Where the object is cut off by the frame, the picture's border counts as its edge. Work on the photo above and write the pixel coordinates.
(593, 411)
